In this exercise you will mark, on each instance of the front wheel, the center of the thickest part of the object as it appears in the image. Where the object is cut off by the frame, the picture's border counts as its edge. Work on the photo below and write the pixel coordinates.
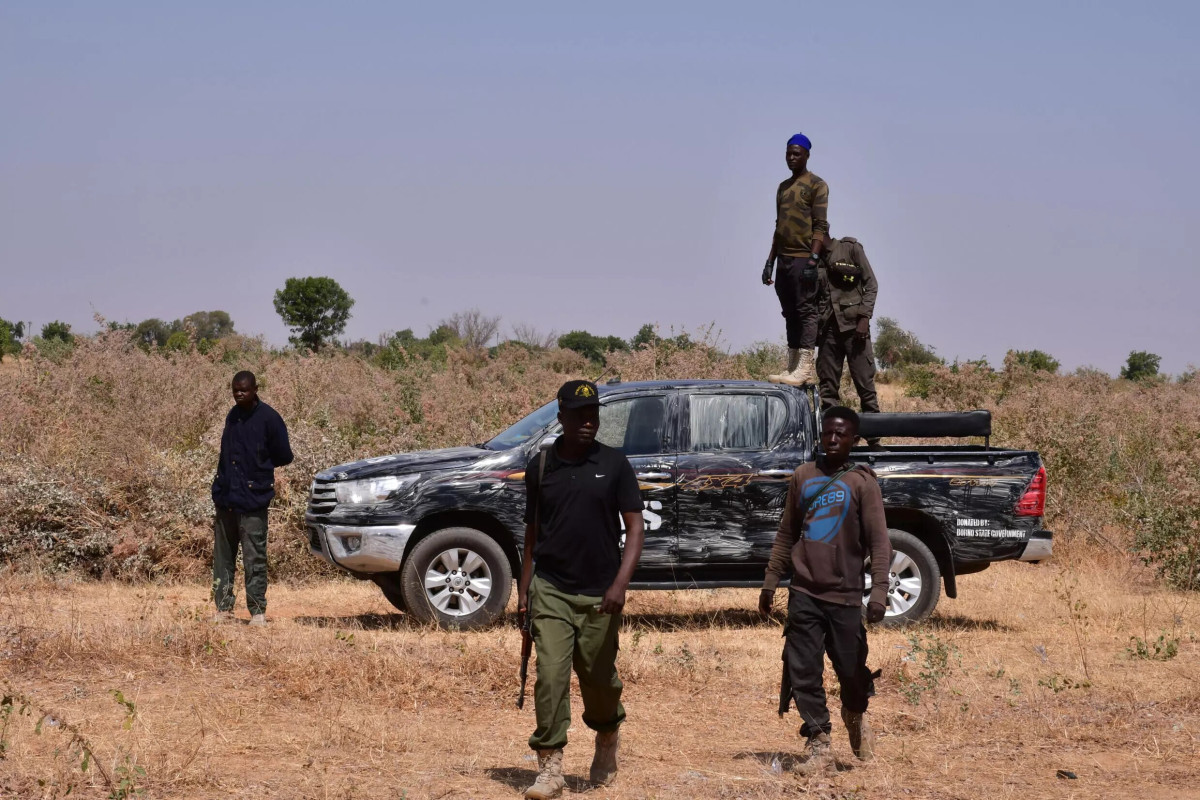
(914, 580)
(456, 578)
(391, 586)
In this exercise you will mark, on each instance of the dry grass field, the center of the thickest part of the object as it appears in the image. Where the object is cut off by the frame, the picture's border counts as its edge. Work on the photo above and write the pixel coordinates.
(1033, 670)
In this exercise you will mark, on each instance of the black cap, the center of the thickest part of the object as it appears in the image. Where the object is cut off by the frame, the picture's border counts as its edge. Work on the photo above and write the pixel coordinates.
(578, 394)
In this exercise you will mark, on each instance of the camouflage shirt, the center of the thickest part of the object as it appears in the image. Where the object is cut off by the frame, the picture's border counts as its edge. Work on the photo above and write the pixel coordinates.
(801, 210)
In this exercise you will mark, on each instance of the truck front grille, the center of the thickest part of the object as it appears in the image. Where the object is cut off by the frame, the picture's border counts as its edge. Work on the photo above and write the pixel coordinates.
(322, 499)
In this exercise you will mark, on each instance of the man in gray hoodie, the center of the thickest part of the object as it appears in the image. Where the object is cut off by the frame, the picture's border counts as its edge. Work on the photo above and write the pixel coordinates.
(832, 520)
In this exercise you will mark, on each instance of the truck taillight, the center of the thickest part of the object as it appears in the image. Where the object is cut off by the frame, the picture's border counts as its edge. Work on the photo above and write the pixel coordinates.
(1033, 502)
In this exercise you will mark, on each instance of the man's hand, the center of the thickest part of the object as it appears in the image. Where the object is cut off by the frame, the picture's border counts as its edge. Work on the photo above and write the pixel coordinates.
(768, 273)
(614, 600)
(766, 598)
(809, 273)
(522, 602)
(875, 612)
(863, 330)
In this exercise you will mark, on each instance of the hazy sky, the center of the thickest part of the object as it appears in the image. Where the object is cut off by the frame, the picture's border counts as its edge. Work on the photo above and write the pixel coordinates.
(1022, 175)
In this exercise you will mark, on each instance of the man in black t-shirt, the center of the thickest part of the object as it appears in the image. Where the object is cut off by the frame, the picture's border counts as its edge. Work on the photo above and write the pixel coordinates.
(573, 581)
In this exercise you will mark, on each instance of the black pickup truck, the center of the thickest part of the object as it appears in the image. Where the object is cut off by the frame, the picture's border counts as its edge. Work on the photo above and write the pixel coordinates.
(441, 531)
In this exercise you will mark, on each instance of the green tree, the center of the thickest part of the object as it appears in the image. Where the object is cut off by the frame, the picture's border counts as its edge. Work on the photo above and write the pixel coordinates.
(1141, 366)
(595, 348)
(211, 325)
(404, 346)
(8, 344)
(1035, 360)
(896, 347)
(153, 332)
(177, 341)
(9, 335)
(58, 331)
(645, 337)
(315, 309)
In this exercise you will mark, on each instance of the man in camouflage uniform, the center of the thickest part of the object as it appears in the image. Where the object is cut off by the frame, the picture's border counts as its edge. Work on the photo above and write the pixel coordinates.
(846, 301)
(801, 220)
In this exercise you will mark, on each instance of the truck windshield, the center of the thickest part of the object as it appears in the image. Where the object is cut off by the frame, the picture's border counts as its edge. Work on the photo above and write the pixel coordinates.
(521, 432)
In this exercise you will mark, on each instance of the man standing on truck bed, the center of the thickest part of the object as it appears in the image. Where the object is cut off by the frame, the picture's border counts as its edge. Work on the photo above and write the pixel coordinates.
(833, 518)
(847, 302)
(253, 444)
(801, 221)
(573, 582)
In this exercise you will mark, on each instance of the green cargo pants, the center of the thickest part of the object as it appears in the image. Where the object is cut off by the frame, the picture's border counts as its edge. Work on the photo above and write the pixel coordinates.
(569, 631)
(249, 528)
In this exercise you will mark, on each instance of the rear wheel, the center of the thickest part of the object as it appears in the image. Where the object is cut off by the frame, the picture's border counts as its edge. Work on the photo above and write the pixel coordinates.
(456, 578)
(914, 580)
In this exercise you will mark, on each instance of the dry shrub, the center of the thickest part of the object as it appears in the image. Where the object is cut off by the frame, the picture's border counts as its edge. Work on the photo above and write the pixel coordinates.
(667, 359)
(108, 450)
(1110, 446)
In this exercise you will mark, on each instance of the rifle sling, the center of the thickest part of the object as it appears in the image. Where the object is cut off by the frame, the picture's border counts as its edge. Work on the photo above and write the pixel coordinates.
(805, 504)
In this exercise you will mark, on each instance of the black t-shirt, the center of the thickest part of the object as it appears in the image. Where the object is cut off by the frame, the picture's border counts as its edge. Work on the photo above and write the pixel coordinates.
(578, 549)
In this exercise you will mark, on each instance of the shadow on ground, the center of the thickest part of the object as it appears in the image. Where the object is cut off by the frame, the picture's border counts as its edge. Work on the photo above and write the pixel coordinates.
(366, 622)
(953, 622)
(684, 620)
(519, 779)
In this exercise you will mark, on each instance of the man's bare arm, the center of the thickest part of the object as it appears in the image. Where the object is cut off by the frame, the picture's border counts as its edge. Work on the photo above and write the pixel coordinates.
(526, 568)
(614, 598)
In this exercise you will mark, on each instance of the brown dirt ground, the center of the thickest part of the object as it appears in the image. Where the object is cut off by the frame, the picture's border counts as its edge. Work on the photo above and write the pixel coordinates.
(342, 698)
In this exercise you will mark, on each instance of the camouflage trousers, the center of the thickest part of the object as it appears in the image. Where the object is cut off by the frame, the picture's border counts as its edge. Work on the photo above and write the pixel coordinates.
(249, 529)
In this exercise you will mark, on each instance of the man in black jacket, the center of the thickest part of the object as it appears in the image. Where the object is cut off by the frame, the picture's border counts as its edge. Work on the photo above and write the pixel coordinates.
(254, 442)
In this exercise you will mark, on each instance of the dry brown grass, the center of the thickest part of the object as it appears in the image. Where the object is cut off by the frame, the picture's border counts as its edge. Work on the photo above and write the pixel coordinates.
(341, 698)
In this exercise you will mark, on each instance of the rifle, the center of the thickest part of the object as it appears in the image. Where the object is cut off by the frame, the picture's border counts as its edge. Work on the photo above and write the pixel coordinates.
(526, 617)
(526, 652)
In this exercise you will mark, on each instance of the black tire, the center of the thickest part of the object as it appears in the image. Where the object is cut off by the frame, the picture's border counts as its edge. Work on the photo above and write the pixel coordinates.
(478, 579)
(389, 584)
(916, 581)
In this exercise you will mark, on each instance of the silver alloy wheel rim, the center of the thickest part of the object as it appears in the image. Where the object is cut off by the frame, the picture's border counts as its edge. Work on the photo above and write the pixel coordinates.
(458, 582)
(904, 585)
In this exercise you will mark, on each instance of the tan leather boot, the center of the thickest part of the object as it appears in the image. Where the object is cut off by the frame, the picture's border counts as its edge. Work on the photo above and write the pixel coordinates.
(818, 755)
(862, 738)
(793, 361)
(804, 372)
(550, 782)
(604, 763)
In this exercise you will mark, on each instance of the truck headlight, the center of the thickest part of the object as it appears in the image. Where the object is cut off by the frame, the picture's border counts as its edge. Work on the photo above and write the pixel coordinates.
(373, 490)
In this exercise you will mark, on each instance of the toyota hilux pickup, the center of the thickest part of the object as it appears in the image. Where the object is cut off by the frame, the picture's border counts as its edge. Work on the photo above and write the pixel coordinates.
(441, 531)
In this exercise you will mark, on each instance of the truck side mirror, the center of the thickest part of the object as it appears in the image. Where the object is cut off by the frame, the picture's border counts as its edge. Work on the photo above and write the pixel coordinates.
(547, 442)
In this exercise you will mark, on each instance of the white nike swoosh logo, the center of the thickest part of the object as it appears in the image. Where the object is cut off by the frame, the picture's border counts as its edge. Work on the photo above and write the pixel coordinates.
(599, 476)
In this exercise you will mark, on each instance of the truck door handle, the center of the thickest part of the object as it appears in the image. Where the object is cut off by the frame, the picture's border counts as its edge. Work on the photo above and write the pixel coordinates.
(776, 473)
(653, 476)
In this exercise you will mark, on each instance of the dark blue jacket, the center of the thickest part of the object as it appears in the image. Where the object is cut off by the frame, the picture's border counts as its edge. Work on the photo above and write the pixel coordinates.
(253, 444)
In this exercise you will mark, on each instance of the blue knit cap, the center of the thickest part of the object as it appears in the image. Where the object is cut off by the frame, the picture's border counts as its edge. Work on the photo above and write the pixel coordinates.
(801, 140)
